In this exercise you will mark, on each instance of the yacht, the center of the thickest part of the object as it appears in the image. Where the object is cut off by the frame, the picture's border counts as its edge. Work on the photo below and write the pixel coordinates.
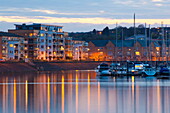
(149, 71)
(103, 69)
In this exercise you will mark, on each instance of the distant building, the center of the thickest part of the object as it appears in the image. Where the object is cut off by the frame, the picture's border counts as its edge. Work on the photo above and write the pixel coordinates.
(110, 50)
(44, 42)
(11, 46)
(80, 50)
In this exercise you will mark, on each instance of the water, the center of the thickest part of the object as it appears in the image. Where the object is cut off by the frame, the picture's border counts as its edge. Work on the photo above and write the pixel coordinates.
(82, 92)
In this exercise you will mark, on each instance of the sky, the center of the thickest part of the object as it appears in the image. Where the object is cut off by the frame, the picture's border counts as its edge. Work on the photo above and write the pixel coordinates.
(84, 15)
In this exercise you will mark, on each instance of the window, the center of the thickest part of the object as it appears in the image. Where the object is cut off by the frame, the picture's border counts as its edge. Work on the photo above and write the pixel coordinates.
(41, 34)
(42, 46)
(137, 53)
(31, 34)
(42, 40)
(11, 45)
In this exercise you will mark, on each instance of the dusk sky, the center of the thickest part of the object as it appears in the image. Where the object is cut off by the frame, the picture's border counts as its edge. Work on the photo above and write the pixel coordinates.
(83, 15)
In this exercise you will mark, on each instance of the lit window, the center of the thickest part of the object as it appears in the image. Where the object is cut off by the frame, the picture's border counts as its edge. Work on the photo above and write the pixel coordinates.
(41, 34)
(30, 34)
(137, 53)
(62, 48)
(157, 48)
(11, 45)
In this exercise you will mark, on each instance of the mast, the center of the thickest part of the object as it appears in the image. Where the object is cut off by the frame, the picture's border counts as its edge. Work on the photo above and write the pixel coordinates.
(166, 41)
(146, 43)
(163, 42)
(135, 40)
(150, 42)
(134, 17)
(122, 44)
(116, 44)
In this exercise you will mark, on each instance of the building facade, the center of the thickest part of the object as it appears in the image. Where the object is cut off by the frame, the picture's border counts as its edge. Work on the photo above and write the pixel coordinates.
(80, 50)
(123, 50)
(44, 42)
(11, 46)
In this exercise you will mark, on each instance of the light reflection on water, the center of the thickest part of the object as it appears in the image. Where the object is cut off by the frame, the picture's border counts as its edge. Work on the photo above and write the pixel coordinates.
(82, 92)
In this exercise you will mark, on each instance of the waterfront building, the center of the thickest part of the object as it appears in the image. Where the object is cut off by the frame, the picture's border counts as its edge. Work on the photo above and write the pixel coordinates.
(80, 50)
(11, 46)
(43, 42)
(112, 50)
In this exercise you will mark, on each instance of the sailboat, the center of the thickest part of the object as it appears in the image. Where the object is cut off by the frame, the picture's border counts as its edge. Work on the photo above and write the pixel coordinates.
(148, 70)
(164, 71)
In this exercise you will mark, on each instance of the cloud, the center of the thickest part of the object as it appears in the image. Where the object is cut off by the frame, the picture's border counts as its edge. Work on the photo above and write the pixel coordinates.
(157, 0)
(159, 5)
(46, 19)
(50, 12)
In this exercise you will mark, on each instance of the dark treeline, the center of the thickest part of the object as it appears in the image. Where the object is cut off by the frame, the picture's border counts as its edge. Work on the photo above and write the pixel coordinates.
(122, 32)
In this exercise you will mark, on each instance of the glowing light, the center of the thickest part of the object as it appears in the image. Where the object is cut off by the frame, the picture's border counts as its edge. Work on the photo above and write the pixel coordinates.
(137, 53)
(157, 48)
(42, 34)
(62, 48)
(31, 34)
(11, 45)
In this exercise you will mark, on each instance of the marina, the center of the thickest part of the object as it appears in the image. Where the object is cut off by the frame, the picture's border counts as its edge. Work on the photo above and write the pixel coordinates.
(132, 69)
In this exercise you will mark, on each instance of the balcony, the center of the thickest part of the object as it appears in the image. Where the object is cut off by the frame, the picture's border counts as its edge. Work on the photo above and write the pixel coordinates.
(68, 38)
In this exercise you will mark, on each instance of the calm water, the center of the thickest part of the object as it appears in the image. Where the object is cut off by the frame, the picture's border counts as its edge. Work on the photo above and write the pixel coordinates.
(82, 92)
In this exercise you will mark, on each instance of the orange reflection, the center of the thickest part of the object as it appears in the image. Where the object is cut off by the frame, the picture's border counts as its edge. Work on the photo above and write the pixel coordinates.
(15, 96)
(158, 97)
(26, 95)
(48, 95)
(133, 86)
(62, 94)
(88, 93)
(77, 92)
(5, 96)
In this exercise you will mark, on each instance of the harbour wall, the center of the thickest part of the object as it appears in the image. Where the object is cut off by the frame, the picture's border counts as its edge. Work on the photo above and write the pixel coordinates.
(49, 66)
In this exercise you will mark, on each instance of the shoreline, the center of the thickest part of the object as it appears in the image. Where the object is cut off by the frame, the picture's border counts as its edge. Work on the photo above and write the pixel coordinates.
(13, 67)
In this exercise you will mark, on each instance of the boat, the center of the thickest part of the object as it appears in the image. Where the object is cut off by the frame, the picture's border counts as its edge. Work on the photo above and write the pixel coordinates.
(149, 71)
(103, 69)
(164, 71)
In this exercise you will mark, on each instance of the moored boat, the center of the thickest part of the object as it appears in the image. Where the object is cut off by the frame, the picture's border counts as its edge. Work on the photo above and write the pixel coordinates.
(103, 69)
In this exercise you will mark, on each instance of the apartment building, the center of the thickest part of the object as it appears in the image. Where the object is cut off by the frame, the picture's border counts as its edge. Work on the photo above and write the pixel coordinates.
(80, 50)
(43, 42)
(11, 46)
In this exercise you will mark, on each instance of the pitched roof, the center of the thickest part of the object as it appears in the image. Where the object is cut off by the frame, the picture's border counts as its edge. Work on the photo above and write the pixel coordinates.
(126, 43)
(9, 34)
(137, 37)
(100, 43)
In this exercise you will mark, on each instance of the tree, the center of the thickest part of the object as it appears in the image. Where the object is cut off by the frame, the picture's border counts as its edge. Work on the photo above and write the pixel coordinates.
(105, 31)
(94, 31)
